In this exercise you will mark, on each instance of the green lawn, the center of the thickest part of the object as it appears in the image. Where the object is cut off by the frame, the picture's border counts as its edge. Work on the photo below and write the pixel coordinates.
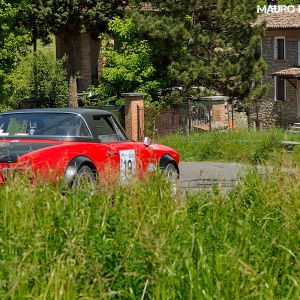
(244, 146)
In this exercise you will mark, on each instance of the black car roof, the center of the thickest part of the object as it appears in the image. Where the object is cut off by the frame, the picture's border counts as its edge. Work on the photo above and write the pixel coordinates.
(77, 110)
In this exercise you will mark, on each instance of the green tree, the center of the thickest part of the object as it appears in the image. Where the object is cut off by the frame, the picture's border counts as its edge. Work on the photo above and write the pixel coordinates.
(15, 86)
(48, 81)
(68, 19)
(127, 63)
(40, 77)
(29, 15)
(218, 48)
(12, 44)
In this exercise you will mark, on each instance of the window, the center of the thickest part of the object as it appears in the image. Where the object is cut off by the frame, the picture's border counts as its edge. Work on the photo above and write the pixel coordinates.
(64, 124)
(279, 88)
(107, 129)
(279, 48)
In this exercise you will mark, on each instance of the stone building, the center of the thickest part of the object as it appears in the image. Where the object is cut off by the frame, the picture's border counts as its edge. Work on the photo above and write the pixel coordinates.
(281, 51)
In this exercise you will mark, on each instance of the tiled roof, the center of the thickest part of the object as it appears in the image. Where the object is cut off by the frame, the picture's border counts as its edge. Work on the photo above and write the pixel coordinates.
(291, 72)
(281, 20)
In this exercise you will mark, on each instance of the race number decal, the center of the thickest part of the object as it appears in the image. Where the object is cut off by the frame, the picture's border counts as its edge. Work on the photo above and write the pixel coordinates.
(127, 165)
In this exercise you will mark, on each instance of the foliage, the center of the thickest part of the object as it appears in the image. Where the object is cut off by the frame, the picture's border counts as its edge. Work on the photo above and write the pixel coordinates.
(217, 44)
(281, 2)
(39, 77)
(152, 113)
(12, 44)
(29, 15)
(115, 244)
(48, 83)
(127, 63)
(67, 19)
(15, 87)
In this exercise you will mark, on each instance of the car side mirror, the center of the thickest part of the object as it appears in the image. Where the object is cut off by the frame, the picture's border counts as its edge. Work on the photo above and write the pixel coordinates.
(147, 141)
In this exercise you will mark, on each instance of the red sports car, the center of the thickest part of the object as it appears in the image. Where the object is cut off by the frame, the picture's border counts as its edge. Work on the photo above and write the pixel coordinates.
(69, 145)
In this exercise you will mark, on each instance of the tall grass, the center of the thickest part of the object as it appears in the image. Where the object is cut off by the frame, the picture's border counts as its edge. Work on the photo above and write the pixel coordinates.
(143, 242)
(244, 146)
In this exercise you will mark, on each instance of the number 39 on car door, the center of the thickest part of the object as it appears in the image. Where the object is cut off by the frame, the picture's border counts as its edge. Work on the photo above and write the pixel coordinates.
(127, 165)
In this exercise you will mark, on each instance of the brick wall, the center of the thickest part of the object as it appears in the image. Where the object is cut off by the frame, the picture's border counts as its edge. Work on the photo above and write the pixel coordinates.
(217, 107)
(87, 59)
(218, 113)
(170, 121)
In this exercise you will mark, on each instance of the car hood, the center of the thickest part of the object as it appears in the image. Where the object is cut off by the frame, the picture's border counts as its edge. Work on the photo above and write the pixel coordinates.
(10, 151)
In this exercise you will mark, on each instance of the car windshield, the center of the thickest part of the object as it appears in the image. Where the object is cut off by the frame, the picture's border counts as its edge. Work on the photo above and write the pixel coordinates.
(59, 124)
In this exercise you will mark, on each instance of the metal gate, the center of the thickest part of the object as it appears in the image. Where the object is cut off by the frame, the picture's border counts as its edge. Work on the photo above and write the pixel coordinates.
(187, 117)
(140, 122)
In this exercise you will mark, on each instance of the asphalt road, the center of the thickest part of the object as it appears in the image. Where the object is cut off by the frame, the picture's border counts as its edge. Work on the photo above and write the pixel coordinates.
(195, 176)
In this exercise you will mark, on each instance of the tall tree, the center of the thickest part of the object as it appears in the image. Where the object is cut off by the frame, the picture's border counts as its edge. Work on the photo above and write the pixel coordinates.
(67, 19)
(219, 45)
(127, 63)
(30, 16)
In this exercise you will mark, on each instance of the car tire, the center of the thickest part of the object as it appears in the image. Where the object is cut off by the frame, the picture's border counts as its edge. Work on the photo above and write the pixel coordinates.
(172, 175)
(84, 180)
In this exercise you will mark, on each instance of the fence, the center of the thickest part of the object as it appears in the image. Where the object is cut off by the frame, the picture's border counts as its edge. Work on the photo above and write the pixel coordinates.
(187, 117)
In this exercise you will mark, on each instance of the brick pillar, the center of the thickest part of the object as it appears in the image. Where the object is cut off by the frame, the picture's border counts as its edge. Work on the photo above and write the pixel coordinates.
(134, 115)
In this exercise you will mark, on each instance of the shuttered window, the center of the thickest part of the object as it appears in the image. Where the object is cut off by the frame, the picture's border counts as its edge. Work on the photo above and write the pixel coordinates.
(280, 88)
(279, 48)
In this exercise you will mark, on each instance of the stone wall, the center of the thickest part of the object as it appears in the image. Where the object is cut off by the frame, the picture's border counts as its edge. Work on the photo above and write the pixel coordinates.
(270, 113)
(240, 120)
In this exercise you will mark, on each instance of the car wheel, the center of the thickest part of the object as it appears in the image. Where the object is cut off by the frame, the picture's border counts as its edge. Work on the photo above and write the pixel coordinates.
(172, 175)
(84, 180)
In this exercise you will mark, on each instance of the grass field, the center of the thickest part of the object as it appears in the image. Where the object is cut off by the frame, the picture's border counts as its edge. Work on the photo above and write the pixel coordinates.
(244, 146)
(143, 242)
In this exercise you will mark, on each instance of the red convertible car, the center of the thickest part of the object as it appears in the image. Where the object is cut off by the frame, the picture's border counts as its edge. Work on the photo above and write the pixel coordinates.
(69, 145)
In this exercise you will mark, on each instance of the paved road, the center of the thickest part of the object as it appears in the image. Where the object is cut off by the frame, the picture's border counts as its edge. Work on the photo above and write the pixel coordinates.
(199, 175)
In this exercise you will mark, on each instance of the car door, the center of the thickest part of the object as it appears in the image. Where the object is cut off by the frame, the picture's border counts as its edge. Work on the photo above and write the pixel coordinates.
(128, 159)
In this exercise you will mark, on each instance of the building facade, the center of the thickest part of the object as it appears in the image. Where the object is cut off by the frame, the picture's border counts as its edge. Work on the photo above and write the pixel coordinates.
(280, 49)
